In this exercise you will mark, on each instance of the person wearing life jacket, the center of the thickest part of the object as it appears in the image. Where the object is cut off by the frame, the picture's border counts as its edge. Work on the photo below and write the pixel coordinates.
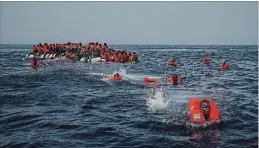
(38, 48)
(174, 79)
(206, 60)
(46, 48)
(69, 54)
(34, 50)
(102, 54)
(105, 47)
(224, 65)
(203, 113)
(149, 80)
(95, 45)
(124, 56)
(172, 62)
(99, 47)
(41, 49)
(35, 63)
(106, 56)
(114, 56)
(51, 49)
(120, 56)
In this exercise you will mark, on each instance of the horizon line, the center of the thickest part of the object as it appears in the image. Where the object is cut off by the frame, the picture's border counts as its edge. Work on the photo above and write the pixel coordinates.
(166, 44)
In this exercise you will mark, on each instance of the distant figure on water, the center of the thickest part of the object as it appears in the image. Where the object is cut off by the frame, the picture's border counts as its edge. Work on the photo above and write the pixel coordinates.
(174, 79)
(206, 60)
(35, 63)
(172, 62)
(224, 65)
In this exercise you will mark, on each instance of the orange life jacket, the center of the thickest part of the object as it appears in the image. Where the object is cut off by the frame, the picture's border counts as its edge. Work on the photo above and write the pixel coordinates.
(195, 113)
(172, 79)
(115, 78)
(98, 47)
(38, 49)
(35, 66)
(45, 49)
(224, 66)
(69, 54)
(206, 61)
(148, 80)
(103, 55)
(172, 63)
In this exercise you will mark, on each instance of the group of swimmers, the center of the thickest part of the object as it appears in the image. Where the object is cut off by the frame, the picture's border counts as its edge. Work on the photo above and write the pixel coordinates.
(91, 50)
(206, 60)
(203, 112)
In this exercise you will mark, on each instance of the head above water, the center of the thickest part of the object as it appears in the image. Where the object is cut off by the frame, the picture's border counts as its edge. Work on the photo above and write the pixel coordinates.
(224, 62)
(174, 75)
(205, 108)
(116, 74)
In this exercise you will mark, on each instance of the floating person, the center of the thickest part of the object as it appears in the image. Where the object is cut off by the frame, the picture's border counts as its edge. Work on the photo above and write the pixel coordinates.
(203, 113)
(224, 65)
(174, 79)
(115, 77)
(172, 62)
(206, 60)
(35, 63)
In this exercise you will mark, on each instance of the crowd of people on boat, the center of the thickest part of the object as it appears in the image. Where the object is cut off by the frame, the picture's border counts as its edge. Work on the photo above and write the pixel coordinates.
(91, 50)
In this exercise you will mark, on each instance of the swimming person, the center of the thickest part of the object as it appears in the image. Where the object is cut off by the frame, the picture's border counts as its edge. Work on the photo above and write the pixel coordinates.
(203, 113)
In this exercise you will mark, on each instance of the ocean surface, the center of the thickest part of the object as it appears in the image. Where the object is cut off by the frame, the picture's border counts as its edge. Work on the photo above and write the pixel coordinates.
(69, 103)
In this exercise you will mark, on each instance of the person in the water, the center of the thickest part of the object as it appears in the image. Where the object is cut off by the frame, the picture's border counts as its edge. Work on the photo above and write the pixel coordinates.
(116, 75)
(224, 65)
(35, 63)
(208, 115)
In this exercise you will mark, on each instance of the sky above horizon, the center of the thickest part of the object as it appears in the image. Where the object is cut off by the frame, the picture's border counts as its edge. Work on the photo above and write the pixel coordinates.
(174, 23)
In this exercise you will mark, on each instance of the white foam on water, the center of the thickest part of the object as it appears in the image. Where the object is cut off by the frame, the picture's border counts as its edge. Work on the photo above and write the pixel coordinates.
(140, 77)
(26, 64)
(98, 74)
(121, 71)
(156, 100)
(134, 77)
(233, 49)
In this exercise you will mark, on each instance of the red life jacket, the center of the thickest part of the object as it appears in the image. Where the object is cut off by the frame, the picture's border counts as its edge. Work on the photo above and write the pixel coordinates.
(33, 65)
(45, 49)
(148, 80)
(172, 79)
(206, 61)
(224, 66)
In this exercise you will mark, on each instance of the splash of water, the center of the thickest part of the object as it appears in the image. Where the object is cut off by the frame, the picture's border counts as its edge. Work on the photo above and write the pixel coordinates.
(98, 74)
(156, 100)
